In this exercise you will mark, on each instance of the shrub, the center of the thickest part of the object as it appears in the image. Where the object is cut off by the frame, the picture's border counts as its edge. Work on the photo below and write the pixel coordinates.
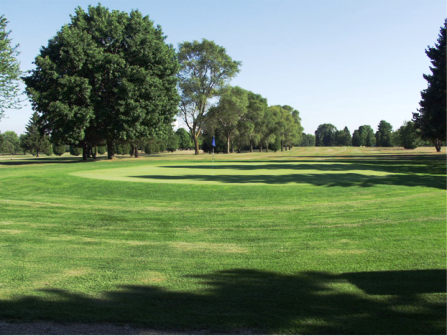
(58, 150)
(76, 151)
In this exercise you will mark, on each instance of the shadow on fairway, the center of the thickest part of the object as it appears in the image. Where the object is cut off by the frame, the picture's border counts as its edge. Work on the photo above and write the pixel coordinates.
(44, 160)
(326, 180)
(243, 300)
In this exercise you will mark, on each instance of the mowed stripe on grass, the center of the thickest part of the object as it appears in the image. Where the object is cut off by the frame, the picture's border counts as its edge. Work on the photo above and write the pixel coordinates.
(357, 246)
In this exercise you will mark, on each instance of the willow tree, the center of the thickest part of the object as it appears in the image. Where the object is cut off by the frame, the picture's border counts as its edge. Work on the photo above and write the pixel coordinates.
(106, 76)
(205, 68)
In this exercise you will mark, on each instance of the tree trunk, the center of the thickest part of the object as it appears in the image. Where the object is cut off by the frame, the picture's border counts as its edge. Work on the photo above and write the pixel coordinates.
(110, 150)
(266, 146)
(260, 148)
(282, 147)
(228, 145)
(136, 152)
(84, 152)
(196, 144)
(438, 145)
(251, 146)
(94, 152)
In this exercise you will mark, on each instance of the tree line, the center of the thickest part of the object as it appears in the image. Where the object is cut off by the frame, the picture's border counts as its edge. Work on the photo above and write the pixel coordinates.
(406, 136)
(109, 80)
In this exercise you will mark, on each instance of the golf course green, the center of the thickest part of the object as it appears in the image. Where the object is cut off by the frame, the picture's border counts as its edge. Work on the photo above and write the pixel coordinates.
(310, 240)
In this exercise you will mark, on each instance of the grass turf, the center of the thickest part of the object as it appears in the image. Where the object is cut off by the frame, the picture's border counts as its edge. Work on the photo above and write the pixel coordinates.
(313, 240)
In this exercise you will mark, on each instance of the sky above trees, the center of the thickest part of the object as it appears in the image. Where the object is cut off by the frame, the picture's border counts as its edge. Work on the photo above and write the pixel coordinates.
(343, 62)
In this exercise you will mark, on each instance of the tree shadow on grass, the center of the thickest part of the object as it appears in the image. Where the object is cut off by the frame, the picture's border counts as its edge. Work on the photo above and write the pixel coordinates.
(44, 160)
(326, 180)
(254, 301)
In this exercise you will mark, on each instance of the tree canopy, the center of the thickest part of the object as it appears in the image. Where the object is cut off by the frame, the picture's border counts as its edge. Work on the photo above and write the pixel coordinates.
(384, 134)
(205, 68)
(9, 70)
(431, 117)
(106, 76)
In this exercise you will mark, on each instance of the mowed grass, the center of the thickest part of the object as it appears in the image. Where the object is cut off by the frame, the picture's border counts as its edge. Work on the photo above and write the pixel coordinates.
(312, 240)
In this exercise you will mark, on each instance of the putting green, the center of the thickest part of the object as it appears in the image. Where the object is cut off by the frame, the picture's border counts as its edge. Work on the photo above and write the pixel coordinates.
(242, 173)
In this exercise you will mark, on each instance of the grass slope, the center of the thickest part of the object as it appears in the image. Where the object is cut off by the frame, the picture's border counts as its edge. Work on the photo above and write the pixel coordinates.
(313, 240)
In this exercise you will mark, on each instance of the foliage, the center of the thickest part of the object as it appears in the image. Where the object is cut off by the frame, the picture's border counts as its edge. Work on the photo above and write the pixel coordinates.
(106, 76)
(205, 68)
(172, 143)
(75, 150)
(325, 135)
(356, 141)
(10, 143)
(308, 140)
(9, 71)
(407, 136)
(251, 125)
(101, 149)
(184, 139)
(430, 119)
(34, 141)
(230, 110)
(384, 134)
(364, 136)
(343, 137)
(59, 150)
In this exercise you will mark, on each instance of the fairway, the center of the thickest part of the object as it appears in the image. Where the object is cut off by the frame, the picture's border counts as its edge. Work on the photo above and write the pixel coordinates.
(311, 240)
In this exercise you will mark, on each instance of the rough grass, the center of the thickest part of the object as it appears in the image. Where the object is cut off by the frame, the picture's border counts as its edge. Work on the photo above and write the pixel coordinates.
(313, 240)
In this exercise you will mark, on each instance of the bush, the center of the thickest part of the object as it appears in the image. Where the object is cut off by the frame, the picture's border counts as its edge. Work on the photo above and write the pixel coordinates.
(152, 148)
(76, 151)
(274, 146)
(102, 150)
(48, 150)
(122, 148)
(58, 150)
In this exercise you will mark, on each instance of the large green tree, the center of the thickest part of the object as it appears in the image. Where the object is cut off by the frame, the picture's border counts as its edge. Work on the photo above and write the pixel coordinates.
(384, 134)
(9, 70)
(431, 117)
(229, 111)
(205, 68)
(325, 135)
(407, 136)
(106, 76)
(250, 127)
(10, 143)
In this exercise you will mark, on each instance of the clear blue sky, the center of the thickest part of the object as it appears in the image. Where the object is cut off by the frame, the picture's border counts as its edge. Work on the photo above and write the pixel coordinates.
(344, 62)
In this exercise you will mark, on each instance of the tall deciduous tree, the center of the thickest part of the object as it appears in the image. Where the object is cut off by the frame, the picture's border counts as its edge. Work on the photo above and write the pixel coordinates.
(325, 135)
(106, 76)
(431, 117)
(250, 127)
(228, 113)
(205, 68)
(9, 70)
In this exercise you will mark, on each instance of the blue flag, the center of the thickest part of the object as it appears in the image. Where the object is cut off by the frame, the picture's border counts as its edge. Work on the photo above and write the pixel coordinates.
(214, 143)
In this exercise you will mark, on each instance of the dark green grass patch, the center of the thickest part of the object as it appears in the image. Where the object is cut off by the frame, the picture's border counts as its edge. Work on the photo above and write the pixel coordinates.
(354, 244)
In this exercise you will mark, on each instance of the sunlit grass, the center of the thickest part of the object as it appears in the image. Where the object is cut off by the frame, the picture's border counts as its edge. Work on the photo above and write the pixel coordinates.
(304, 241)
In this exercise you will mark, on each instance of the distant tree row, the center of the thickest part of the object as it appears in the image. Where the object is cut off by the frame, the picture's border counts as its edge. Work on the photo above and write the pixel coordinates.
(406, 136)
